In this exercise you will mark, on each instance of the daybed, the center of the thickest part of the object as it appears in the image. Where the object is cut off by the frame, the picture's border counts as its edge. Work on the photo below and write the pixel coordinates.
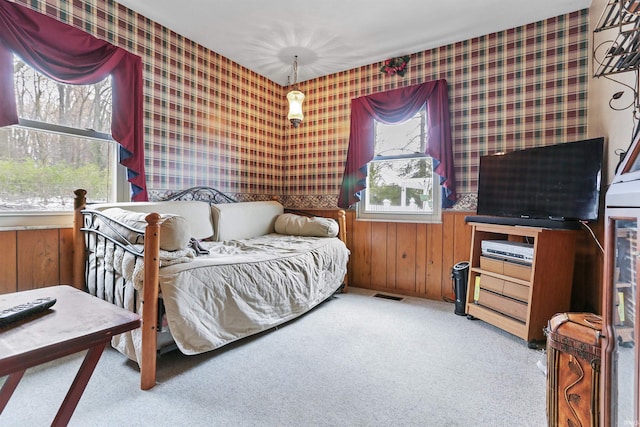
(204, 273)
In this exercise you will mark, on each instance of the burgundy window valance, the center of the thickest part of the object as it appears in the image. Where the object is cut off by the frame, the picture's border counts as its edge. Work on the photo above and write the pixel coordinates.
(72, 56)
(396, 106)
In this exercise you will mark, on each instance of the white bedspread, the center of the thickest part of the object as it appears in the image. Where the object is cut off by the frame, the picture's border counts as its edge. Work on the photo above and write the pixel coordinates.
(244, 287)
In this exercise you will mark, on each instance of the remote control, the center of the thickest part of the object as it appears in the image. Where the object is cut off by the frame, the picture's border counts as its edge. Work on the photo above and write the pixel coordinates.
(21, 311)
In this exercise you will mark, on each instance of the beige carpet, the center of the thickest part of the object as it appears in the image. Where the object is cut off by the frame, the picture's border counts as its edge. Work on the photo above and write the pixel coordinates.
(356, 360)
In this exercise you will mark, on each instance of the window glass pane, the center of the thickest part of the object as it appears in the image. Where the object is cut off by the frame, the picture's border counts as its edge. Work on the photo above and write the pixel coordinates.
(80, 106)
(404, 185)
(40, 170)
(401, 139)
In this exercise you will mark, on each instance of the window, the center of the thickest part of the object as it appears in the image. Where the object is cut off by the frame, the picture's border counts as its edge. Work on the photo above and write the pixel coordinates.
(401, 183)
(62, 143)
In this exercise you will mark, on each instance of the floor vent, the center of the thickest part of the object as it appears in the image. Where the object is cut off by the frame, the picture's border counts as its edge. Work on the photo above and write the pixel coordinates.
(391, 297)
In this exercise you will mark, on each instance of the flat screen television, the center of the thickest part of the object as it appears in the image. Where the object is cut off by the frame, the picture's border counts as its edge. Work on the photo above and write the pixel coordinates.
(558, 182)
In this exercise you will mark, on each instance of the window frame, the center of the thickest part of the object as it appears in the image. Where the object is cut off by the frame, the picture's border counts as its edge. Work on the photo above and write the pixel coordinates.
(64, 218)
(435, 216)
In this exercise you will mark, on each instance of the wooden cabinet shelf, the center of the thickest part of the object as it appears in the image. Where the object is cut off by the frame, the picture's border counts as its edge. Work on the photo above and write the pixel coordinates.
(501, 276)
(521, 298)
(623, 285)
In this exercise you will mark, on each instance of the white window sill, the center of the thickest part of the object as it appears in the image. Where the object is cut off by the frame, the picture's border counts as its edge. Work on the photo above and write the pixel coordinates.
(35, 220)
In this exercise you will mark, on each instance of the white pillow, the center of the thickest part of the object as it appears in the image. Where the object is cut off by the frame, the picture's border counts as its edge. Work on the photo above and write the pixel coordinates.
(298, 225)
(197, 213)
(244, 220)
(174, 229)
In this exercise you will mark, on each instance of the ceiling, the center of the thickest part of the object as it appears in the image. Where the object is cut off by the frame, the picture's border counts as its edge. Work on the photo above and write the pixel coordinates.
(330, 36)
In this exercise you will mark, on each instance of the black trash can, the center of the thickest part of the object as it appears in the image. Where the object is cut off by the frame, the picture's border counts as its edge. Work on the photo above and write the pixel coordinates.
(460, 276)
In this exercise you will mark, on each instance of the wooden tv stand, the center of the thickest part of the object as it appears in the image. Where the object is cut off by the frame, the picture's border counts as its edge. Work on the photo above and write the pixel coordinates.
(519, 298)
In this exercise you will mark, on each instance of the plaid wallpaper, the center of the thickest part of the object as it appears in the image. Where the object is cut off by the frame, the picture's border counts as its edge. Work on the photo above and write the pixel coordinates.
(209, 121)
(513, 89)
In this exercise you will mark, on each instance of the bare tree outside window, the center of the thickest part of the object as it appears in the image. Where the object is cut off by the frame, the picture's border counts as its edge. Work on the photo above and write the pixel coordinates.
(62, 143)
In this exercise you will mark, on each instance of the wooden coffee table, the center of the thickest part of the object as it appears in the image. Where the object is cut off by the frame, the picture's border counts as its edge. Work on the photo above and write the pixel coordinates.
(76, 322)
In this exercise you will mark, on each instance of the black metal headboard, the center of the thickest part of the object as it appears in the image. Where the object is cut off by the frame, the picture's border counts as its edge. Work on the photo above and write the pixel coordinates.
(205, 194)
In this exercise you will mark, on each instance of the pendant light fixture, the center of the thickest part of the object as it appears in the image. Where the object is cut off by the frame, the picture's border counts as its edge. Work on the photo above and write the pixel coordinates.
(295, 98)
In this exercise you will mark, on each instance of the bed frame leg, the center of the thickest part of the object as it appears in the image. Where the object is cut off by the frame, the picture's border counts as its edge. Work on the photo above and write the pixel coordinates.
(79, 203)
(342, 234)
(150, 302)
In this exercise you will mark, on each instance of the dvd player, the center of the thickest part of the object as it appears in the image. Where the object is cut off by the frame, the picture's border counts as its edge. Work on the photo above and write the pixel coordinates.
(510, 251)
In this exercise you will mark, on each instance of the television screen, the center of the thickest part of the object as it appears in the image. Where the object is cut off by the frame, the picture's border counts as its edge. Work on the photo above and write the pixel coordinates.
(557, 182)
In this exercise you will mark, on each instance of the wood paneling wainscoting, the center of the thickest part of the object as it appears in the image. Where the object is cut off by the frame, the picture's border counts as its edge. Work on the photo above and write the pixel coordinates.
(402, 258)
(408, 258)
(416, 259)
(405, 258)
(35, 258)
